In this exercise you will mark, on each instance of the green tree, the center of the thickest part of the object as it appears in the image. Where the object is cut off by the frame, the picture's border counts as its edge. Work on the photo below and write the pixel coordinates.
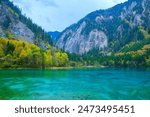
(10, 47)
(9, 35)
(148, 62)
(62, 59)
(1, 50)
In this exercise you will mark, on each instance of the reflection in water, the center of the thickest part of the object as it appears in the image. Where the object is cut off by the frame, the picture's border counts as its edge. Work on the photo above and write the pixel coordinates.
(83, 84)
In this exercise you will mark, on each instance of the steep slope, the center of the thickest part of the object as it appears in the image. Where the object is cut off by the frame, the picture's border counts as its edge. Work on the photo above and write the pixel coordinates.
(108, 30)
(24, 44)
(16, 26)
(54, 35)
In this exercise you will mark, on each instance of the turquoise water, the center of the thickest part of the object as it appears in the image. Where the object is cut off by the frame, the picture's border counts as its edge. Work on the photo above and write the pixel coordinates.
(75, 84)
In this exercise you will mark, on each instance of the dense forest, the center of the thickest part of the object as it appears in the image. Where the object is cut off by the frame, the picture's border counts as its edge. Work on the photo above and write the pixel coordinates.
(15, 53)
(126, 30)
(139, 58)
(133, 54)
(20, 54)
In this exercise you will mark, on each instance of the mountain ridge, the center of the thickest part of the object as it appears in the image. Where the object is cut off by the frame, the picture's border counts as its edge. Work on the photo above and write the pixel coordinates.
(96, 30)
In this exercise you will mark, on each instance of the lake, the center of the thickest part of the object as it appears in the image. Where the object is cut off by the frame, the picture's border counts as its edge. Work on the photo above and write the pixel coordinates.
(75, 84)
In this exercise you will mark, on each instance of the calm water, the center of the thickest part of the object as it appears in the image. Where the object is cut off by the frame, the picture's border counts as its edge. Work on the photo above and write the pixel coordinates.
(76, 84)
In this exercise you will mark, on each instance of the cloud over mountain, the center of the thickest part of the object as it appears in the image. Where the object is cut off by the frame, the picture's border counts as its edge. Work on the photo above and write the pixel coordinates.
(50, 13)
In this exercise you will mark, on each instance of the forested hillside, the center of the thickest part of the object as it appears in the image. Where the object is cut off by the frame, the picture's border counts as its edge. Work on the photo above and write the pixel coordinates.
(24, 44)
(118, 36)
(17, 26)
(20, 54)
(107, 30)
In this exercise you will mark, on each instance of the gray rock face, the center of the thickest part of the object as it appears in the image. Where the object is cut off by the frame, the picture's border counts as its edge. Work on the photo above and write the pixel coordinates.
(22, 32)
(79, 43)
(10, 23)
(104, 28)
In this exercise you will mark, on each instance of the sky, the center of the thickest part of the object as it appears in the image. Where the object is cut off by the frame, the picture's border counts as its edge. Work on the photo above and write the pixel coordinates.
(56, 15)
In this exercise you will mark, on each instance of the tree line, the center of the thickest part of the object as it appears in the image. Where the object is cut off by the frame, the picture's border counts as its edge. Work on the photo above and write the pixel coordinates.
(20, 54)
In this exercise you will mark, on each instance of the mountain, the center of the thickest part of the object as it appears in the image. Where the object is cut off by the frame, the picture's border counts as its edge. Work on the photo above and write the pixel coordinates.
(108, 30)
(54, 35)
(23, 44)
(14, 25)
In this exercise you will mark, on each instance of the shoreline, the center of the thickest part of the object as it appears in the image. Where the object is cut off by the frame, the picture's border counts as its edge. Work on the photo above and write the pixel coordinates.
(75, 67)
(69, 67)
(54, 68)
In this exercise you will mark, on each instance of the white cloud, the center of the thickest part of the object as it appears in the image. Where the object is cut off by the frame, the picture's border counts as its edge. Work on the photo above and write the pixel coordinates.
(59, 14)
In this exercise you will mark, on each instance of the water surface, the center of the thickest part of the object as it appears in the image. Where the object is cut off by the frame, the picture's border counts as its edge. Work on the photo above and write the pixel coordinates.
(75, 84)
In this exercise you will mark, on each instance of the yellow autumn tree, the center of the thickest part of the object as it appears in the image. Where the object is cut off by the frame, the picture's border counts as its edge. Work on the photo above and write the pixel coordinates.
(1, 50)
(36, 55)
(62, 59)
(48, 59)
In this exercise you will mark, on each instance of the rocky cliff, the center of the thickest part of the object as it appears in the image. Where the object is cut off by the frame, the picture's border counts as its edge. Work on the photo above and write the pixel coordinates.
(16, 26)
(107, 30)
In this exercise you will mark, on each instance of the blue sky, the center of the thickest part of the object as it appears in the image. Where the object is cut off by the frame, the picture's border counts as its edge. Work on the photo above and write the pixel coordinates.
(58, 14)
